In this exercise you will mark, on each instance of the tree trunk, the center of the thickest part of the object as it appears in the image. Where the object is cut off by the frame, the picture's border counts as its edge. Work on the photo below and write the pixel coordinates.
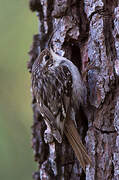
(85, 32)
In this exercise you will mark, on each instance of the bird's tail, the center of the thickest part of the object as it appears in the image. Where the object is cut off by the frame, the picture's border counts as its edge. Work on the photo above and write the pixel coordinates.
(74, 139)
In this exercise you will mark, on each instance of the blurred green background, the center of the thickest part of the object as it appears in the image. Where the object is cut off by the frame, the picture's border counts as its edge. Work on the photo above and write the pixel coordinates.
(17, 26)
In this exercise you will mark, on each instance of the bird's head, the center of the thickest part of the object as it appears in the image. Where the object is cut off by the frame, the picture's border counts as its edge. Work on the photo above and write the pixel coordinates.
(43, 62)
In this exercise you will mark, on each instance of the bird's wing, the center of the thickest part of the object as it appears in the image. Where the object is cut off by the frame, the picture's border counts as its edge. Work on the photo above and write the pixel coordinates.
(47, 114)
(53, 92)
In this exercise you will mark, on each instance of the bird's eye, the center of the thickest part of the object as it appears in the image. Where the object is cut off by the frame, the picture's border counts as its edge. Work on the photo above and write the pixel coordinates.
(47, 57)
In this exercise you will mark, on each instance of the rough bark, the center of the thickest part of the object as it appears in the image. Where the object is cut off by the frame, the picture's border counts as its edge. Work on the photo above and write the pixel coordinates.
(84, 31)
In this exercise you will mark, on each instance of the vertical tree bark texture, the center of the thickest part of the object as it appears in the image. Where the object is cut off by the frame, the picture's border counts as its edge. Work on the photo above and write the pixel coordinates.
(84, 31)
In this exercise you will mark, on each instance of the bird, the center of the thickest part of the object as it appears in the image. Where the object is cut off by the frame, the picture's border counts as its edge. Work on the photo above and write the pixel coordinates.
(59, 91)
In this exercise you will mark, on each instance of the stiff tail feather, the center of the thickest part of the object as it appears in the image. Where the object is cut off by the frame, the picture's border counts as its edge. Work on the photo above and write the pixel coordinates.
(74, 139)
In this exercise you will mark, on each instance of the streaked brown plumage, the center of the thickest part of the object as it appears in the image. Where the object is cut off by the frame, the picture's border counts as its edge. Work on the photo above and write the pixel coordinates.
(59, 91)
